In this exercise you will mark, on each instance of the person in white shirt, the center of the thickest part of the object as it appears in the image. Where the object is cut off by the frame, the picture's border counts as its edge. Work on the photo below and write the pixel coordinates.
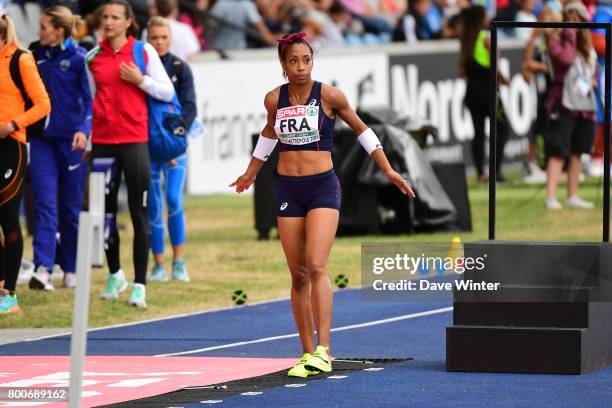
(189, 45)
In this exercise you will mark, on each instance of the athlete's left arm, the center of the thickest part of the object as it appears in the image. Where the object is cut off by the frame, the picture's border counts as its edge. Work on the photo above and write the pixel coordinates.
(188, 96)
(79, 141)
(336, 99)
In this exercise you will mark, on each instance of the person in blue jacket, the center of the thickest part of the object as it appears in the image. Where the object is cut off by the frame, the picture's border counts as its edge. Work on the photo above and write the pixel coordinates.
(58, 175)
(174, 172)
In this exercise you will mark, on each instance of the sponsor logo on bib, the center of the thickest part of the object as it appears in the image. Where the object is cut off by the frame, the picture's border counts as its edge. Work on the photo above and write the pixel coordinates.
(297, 125)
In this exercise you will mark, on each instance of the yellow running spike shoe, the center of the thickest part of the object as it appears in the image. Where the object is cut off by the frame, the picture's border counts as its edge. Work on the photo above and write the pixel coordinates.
(320, 360)
(300, 370)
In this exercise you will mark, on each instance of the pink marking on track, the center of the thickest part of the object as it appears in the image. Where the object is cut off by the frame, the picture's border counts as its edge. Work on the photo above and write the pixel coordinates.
(112, 379)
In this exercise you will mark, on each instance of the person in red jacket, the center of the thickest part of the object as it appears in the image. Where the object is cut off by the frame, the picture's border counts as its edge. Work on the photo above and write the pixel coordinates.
(120, 131)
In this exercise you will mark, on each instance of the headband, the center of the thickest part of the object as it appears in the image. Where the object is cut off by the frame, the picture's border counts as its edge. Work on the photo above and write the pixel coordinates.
(301, 36)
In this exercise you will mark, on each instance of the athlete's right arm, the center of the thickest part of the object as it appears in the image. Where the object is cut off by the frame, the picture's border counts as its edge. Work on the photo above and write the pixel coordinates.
(244, 182)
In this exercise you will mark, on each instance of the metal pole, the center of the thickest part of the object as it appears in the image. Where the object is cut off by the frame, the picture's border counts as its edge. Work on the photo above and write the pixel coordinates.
(97, 196)
(90, 248)
(606, 195)
(492, 131)
(78, 340)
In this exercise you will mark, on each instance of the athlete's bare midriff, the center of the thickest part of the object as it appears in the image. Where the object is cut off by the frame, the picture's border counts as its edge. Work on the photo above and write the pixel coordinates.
(304, 163)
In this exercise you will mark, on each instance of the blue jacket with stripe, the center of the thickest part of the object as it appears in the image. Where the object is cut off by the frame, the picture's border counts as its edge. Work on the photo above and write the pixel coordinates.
(62, 69)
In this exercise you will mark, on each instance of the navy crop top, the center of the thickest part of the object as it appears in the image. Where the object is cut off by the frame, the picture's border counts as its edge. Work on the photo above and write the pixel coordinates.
(303, 127)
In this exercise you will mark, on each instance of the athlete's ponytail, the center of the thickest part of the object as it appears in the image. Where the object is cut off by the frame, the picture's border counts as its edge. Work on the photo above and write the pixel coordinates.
(7, 30)
(62, 17)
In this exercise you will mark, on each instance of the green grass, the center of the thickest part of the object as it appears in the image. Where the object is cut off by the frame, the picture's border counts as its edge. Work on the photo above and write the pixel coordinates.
(223, 255)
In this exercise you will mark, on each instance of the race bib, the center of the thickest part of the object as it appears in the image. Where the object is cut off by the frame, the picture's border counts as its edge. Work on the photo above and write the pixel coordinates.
(297, 125)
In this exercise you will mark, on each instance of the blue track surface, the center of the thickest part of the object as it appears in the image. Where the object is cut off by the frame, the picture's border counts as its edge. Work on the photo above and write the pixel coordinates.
(420, 383)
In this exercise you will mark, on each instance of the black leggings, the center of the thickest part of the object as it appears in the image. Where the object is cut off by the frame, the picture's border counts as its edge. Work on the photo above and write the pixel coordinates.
(13, 161)
(133, 160)
(479, 112)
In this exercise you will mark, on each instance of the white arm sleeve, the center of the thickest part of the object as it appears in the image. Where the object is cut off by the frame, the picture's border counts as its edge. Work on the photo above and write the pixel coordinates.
(369, 141)
(156, 81)
(264, 147)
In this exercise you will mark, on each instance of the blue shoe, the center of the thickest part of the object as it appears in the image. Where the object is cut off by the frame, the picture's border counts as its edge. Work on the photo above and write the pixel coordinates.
(179, 271)
(8, 302)
(158, 274)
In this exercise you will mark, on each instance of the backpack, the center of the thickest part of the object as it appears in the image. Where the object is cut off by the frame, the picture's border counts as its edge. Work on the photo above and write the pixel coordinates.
(578, 92)
(167, 133)
(36, 129)
(177, 66)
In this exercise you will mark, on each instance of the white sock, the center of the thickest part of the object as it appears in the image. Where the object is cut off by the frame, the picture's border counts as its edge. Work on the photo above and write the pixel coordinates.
(143, 287)
(119, 274)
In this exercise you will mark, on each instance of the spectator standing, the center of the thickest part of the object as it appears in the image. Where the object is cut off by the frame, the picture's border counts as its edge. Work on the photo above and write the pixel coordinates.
(570, 105)
(175, 171)
(475, 66)
(189, 45)
(14, 118)
(120, 131)
(233, 18)
(58, 177)
(193, 16)
(525, 15)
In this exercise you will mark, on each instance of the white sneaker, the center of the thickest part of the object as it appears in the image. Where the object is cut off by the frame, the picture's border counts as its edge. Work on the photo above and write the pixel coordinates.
(553, 204)
(69, 281)
(25, 272)
(596, 168)
(57, 274)
(577, 202)
(41, 280)
(138, 297)
(535, 178)
(115, 284)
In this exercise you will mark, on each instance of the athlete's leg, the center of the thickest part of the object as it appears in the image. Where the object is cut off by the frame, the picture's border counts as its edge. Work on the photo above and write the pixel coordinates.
(111, 205)
(321, 225)
(136, 165)
(293, 239)
(155, 211)
(13, 160)
(44, 172)
(175, 183)
(71, 177)
(13, 240)
(478, 149)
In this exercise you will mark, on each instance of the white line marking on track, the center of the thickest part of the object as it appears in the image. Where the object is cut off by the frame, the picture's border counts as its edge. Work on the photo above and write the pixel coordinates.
(295, 385)
(157, 319)
(374, 369)
(337, 377)
(252, 393)
(337, 329)
(211, 401)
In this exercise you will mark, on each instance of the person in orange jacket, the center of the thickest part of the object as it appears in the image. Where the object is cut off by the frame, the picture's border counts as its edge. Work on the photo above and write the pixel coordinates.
(18, 84)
